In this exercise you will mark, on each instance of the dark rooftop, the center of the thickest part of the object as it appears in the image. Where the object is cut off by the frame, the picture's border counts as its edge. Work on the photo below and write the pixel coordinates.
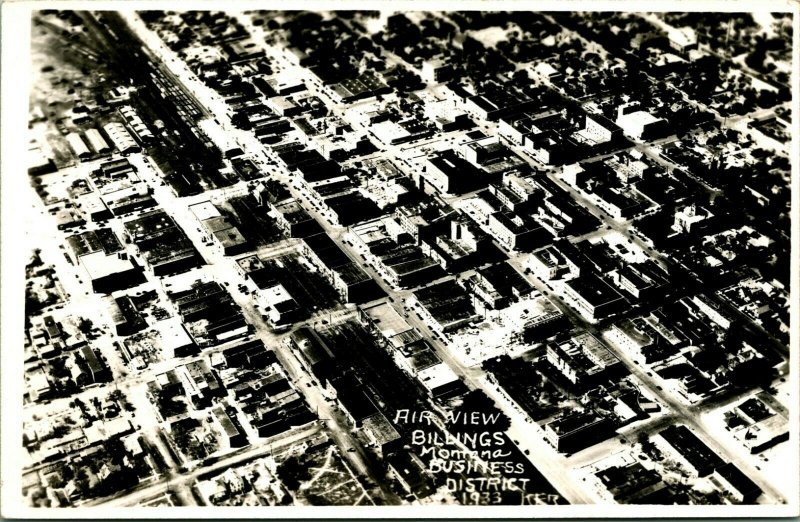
(351, 395)
(594, 290)
(738, 480)
(505, 279)
(694, 450)
(447, 302)
(327, 250)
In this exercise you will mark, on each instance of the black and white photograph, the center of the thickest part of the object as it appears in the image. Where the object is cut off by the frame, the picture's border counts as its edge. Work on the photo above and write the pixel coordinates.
(390, 260)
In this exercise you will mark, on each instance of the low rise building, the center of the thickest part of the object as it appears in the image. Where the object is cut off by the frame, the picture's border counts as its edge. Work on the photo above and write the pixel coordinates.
(234, 436)
(582, 359)
(545, 72)
(175, 340)
(135, 125)
(550, 264)
(399, 260)
(384, 320)
(104, 260)
(691, 452)
(595, 298)
(200, 383)
(39, 161)
(617, 202)
(209, 313)
(497, 100)
(283, 106)
(484, 150)
(538, 319)
(498, 285)
(575, 431)
(517, 232)
(293, 219)
(92, 367)
(711, 310)
(123, 199)
(690, 219)
(450, 174)
(523, 186)
(437, 70)
(78, 146)
(630, 482)
(446, 116)
(121, 138)
(356, 403)
(763, 427)
(161, 243)
(315, 353)
(126, 318)
(517, 128)
(37, 385)
(225, 234)
(640, 338)
(409, 470)
(352, 283)
(682, 39)
(639, 280)
(383, 436)
(548, 148)
(445, 306)
(440, 381)
(97, 142)
(279, 305)
(737, 484)
(764, 434)
(639, 124)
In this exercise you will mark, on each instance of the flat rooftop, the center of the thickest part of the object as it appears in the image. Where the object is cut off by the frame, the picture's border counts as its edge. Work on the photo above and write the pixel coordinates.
(447, 302)
(99, 264)
(149, 224)
(594, 290)
(386, 319)
(326, 250)
(204, 210)
(93, 241)
(573, 422)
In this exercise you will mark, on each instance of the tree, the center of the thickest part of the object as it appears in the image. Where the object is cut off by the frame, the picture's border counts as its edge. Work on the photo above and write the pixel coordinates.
(755, 60)
(292, 472)
(60, 431)
(648, 447)
(117, 397)
(81, 406)
(115, 449)
(97, 404)
(767, 98)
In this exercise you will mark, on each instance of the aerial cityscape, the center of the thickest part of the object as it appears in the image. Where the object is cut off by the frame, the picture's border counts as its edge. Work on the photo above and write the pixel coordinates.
(376, 258)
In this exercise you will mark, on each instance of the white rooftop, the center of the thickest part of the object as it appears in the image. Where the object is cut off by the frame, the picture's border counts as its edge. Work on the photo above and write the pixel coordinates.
(437, 375)
(204, 210)
(99, 265)
(173, 335)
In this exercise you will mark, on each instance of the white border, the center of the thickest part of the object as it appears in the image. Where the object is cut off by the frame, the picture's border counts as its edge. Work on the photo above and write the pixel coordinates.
(16, 28)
